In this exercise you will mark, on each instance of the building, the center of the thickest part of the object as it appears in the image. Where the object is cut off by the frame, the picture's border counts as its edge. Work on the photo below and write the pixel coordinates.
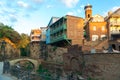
(95, 31)
(52, 20)
(48, 35)
(68, 30)
(113, 24)
(95, 26)
(43, 33)
(35, 35)
(88, 12)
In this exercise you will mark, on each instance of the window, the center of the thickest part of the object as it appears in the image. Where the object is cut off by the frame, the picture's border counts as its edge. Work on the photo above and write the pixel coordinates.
(103, 28)
(118, 21)
(32, 37)
(88, 15)
(94, 37)
(94, 28)
(115, 20)
(103, 37)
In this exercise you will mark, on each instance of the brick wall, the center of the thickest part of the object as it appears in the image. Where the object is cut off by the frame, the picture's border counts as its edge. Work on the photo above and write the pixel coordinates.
(98, 31)
(75, 29)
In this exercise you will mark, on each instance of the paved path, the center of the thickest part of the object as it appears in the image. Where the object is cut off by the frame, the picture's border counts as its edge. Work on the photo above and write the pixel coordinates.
(5, 76)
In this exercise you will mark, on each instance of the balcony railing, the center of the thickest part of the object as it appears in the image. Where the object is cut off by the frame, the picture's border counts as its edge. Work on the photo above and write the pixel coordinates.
(62, 27)
(115, 32)
(35, 40)
(58, 38)
(35, 35)
(114, 23)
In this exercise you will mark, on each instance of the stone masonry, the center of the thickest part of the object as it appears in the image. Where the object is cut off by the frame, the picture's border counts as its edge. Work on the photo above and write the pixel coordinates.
(102, 66)
(35, 50)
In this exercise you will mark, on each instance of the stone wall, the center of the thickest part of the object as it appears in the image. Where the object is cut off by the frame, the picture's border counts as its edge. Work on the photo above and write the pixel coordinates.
(10, 52)
(35, 50)
(47, 52)
(55, 54)
(102, 66)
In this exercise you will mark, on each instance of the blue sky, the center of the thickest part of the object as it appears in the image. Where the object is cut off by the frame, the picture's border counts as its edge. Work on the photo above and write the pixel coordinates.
(24, 15)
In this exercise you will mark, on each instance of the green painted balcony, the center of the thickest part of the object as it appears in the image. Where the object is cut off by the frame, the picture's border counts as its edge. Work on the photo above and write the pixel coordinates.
(58, 38)
(62, 27)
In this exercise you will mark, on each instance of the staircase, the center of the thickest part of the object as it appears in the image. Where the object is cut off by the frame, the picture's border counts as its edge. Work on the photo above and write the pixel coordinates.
(103, 43)
(96, 44)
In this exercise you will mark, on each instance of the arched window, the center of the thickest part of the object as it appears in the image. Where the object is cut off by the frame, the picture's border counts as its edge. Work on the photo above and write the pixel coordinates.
(88, 15)
(113, 46)
(119, 48)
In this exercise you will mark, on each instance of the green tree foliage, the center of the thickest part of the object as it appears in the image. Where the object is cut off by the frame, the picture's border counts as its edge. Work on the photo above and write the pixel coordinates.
(23, 52)
(44, 73)
(21, 41)
(9, 32)
(25, 40)
(24, 45)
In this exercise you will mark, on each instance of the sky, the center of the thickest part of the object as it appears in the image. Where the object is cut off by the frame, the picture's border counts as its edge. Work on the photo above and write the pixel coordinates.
(24, 15)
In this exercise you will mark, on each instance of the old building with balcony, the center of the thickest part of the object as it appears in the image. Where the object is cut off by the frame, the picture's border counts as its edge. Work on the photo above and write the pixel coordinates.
(93, 31)
(35, 35)
(52, 20)
(68, 30)
(113, 24)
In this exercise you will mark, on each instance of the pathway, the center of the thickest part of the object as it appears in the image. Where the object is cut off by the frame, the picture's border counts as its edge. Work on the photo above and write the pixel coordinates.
(5, 76)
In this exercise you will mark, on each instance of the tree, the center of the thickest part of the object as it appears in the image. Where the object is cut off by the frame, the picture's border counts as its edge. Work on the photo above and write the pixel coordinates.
(21, 41)
(25, 40)
(24, 44)
(10, 33)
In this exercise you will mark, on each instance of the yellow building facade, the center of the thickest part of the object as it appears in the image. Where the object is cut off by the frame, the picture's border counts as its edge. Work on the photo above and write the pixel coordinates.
(35, 35)
(113, 24)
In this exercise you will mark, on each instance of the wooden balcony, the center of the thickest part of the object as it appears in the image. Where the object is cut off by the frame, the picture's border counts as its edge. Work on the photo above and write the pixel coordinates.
(57, 29)
(114, 23)
(58, 38)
